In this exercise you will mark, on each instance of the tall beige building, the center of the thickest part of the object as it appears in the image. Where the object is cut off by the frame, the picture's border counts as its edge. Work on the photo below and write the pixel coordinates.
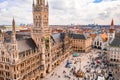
(33, 57)
(81, 43)
(27, 58)
(41, 33)
(113, 54)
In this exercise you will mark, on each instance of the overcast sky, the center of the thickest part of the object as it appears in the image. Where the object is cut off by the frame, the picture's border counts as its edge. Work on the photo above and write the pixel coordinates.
(63, 11)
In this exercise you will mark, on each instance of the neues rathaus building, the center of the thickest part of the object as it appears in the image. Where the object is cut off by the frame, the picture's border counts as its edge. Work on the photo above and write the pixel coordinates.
(34, 57)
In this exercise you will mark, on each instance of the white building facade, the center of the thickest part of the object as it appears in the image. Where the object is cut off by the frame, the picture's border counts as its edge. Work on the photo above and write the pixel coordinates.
(114, 51)
(102, 40)
(99, 42)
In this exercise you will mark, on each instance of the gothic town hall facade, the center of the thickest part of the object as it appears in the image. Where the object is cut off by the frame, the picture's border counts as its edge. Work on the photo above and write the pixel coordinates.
(32, 58)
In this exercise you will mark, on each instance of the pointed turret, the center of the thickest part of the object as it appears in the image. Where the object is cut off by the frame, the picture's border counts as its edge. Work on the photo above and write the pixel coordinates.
(13, 31)
(111, 34)
(33, 3)
(112, 24)
(13, 26)
(112, 27)
(14, 43)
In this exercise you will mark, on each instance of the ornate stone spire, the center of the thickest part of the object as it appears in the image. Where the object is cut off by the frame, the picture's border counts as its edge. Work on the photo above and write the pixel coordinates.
(112, 24)
(111, 30)
(13, 26)
(13, 31)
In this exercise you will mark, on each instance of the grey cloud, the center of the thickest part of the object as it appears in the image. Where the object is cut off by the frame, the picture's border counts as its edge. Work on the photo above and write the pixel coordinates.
(103, 15)
(61, 11)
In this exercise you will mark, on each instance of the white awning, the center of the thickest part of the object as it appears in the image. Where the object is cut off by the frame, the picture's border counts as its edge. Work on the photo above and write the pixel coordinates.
(100, 78)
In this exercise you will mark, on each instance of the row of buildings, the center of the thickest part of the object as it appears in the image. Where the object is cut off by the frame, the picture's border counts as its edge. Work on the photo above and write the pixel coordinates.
(114, 51)
(101, 40)
(32, 56)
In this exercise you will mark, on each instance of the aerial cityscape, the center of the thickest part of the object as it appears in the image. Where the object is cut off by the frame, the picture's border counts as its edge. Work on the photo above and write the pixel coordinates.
(59, 40)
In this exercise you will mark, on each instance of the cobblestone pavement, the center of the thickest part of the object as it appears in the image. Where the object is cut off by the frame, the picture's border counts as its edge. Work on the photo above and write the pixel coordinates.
(62, 73)
(57, 73)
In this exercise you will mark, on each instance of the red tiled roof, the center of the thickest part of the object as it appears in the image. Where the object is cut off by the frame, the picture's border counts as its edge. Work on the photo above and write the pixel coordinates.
(104, 37)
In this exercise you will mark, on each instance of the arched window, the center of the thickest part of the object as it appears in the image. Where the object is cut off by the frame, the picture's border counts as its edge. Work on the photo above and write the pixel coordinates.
(6, 67)
(2, 52)
(14, 76)
(1, 66)
(95, 43)
(98, 43)
(114, 60)
(111, 59)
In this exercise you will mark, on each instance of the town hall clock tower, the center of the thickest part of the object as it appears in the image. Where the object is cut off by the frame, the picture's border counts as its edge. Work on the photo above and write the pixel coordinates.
(41, 31)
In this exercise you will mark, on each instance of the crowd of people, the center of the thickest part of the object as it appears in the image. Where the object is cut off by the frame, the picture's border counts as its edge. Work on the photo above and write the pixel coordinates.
(91, 66)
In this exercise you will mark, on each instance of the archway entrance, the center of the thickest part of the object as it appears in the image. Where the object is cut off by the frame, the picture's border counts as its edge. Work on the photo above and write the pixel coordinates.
(41, 76)
(48, 69)
(95, 46)
(99, 47)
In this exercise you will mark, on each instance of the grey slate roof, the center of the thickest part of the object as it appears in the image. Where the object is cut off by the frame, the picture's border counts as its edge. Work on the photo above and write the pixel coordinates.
(79, 36)
(59, 37)
(23, 35)
(115, 42)
(26, 44)
(19, 36)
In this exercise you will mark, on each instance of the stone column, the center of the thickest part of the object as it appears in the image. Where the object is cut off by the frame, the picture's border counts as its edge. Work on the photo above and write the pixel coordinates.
(43, 56)
(50, 56)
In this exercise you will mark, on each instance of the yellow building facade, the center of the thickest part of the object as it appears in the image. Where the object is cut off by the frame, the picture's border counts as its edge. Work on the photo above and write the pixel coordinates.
(81, 43)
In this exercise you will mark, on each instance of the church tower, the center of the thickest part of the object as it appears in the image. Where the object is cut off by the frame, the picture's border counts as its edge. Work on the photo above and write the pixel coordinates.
(14, 43)
(111, 34)
(40, 18)
(40, 21)
(40, 31)
(112, 25)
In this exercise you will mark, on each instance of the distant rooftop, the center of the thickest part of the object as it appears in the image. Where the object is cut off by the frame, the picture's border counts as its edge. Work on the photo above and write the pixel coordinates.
(116, 41)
